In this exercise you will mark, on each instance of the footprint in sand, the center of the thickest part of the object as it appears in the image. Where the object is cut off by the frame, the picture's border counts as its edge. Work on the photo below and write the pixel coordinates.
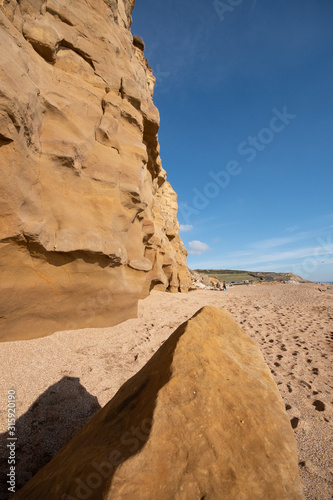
(315, 371)
(305, 384)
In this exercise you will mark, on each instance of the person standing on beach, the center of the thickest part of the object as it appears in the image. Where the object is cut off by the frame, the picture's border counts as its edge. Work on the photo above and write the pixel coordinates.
(224, 286)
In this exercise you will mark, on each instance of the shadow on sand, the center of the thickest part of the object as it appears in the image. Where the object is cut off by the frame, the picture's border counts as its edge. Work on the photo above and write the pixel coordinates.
(85, 467)
(51, 421)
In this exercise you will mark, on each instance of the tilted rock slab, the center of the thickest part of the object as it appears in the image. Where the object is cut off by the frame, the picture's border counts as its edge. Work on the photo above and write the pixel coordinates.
(203, 419)
(88, 222)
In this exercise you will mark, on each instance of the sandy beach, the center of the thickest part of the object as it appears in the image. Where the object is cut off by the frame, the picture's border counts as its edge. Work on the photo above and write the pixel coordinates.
(61, 380)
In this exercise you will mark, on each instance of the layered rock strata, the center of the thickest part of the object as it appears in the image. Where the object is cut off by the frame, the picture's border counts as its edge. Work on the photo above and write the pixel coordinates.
(88, 222)
(202, 419)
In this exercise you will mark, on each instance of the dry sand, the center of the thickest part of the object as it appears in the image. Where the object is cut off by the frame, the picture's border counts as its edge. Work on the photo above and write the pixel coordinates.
(61, 380)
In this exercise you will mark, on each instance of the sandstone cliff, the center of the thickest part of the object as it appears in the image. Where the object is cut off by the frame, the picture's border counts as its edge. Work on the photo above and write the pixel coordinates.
(88, 222)
(202, 419)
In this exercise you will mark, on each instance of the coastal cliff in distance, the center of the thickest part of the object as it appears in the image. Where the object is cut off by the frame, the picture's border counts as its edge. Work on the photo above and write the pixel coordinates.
(88, 222)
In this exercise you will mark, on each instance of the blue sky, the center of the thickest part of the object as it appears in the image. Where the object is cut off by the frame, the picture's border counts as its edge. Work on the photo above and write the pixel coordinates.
(244, 89)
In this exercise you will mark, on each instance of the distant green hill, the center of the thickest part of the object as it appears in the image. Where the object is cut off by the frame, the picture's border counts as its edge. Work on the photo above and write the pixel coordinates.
(229, 275)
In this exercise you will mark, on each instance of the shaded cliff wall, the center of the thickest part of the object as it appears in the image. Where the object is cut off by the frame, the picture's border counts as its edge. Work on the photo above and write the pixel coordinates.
(88, 222)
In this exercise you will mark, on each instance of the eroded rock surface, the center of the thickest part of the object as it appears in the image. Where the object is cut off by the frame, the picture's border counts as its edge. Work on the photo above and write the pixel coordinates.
(84, 201)
(203, 419)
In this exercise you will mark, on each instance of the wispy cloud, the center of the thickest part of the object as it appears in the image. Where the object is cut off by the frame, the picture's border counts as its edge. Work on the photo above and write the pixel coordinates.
(290, 265)
(292, 229)
(299, 253)
(246, 259)
(281, 241)
(197, 247)
(185, 227)
(271, 243)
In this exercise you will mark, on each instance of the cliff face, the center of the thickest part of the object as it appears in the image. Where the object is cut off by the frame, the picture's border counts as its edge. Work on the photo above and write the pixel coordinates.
(88, 222)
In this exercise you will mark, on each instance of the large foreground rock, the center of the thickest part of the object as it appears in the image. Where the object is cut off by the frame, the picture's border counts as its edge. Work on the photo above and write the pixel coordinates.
(88, 222)
(202, 420)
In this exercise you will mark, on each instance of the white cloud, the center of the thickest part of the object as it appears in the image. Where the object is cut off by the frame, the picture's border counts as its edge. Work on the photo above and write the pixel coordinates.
(185, 227)
(197, 247)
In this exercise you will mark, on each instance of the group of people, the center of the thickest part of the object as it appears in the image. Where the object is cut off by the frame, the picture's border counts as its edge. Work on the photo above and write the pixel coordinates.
(222, 287)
